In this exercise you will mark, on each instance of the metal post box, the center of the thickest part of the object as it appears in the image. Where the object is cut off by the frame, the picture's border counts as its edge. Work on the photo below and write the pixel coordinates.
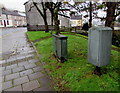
(60, 46)
(99, 45)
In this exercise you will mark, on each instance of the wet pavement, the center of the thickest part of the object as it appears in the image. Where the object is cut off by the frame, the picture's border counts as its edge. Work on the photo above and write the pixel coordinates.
(8, 39)
(21, 70)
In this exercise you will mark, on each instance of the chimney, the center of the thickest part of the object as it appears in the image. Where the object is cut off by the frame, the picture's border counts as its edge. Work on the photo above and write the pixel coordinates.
(16, 11)
(3, 8)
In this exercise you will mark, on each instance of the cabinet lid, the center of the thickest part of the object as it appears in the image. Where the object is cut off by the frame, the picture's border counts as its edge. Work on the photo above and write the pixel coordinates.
(60, 36)
(100, 28)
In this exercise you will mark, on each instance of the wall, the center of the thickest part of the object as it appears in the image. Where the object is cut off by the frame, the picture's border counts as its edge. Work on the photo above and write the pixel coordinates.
(33, 16)
(35, 20)
(4, 22)
(11, 18)
(1, 23)
(64, 21)
(12, 21)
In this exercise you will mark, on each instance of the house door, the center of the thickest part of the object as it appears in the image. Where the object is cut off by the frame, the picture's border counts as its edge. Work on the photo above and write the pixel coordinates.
(4, 23)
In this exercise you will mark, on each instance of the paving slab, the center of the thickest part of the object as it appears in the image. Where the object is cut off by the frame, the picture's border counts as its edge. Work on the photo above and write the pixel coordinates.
(16, 88)
(6, 85)
(30, 92)
(30, 55)
(3, 78)
(21, 80)
(21, 57)
(30, 66)
(30, 85)
(3, 68)
(11, 76)
(35, 75)
(26, 72)
(44, 88)
(10, 60)
(2, 61)
(44, 81)
(11, 66)
(6, 72)
(23, 63)
(21, 68)
(39, 68)
(31, 51)
(33, 61)
(25, 48)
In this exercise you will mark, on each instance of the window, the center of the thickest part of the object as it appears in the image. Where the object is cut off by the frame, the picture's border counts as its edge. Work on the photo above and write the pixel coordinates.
(7, 22)
(7, 16)
(15, 17)
(0, 17)
(1, 23)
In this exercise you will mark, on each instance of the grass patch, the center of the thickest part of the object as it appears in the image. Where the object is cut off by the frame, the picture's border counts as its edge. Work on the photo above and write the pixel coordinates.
(76, 73)
(115, 47)
(37, 35)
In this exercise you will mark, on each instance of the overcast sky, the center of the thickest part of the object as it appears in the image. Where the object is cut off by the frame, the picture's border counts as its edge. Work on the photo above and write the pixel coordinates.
(14, 4)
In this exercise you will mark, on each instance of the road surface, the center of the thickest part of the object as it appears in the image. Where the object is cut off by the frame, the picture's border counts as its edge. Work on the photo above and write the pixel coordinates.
(8, 42)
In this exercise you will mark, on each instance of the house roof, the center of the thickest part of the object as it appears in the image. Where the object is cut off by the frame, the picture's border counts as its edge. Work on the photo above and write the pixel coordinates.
(63, 15)
(22, 14)
(76, 17)
(26, 2)
(29, 1)
(8, 12)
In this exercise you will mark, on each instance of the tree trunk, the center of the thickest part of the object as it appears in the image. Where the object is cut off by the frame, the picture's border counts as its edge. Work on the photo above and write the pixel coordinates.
(56, 24)
(90, 11)
(56, 21)
(46, 25)
(52, 19)
(110, 14)
(43, 14)
(52, 16)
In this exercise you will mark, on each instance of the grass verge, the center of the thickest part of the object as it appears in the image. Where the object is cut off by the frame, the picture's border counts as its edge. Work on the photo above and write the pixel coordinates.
(35, 35)
(76, 74)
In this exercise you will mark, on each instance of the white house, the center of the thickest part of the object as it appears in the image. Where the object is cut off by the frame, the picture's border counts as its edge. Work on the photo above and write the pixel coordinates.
(11, 18)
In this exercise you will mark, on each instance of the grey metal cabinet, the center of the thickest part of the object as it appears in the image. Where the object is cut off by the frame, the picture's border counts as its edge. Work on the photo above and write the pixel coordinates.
(99, 45)
(60, 46)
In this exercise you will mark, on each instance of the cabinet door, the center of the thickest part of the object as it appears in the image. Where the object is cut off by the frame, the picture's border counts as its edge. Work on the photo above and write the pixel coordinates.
(93, 47)
(105, 47)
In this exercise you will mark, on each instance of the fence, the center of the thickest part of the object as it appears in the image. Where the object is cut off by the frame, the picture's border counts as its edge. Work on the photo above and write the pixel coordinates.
(39, 27)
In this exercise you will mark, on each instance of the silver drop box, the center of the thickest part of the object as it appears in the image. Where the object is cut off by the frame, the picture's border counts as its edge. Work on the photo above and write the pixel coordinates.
(99, 45)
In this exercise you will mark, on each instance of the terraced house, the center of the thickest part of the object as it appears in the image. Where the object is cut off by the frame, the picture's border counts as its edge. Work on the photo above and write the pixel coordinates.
(9, 18)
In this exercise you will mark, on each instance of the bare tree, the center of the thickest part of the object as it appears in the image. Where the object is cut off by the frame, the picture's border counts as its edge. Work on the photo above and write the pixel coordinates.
(113, 10)
(50, 6)
(54, 8)
(90, 11)
(42, 12)
(88, 7)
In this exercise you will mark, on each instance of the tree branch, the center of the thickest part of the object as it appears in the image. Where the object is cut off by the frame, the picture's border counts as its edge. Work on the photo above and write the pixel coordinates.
(30, 8)
(117, 14)
(35, 4)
